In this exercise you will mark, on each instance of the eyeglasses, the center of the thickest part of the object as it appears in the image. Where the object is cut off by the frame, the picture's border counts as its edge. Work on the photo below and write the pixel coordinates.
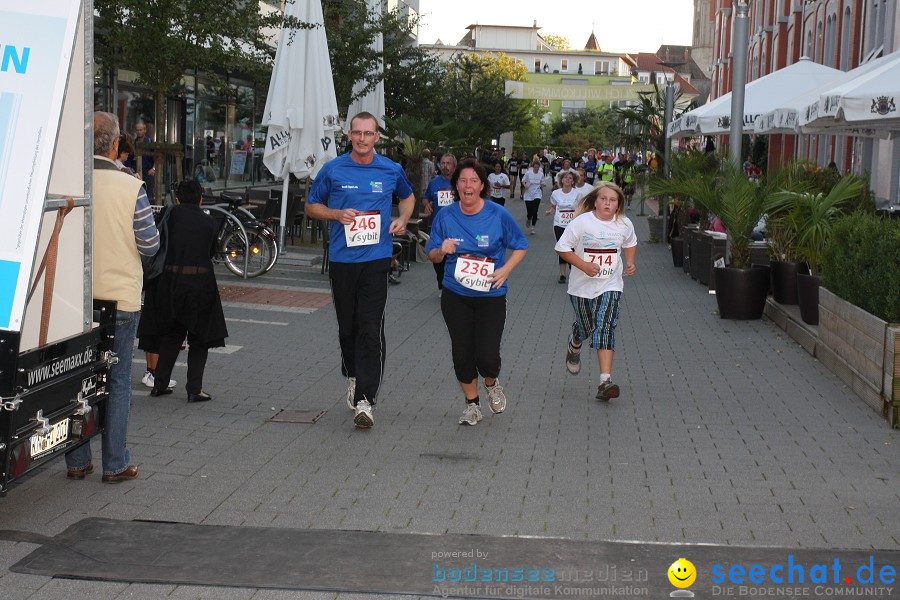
(363, 134)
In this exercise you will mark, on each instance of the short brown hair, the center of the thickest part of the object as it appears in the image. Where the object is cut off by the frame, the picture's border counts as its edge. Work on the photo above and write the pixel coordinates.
(471, 163)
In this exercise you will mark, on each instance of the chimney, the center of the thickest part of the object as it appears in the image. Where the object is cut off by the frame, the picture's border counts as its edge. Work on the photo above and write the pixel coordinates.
(535, 24)
(686, 55)
(667, 53)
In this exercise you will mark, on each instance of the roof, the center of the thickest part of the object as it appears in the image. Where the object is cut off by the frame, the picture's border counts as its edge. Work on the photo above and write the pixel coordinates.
(592, 43)
(474, 25)
(645, 61)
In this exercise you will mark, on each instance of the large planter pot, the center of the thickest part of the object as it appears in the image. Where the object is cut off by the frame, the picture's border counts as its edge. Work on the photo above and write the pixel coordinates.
(784, 280)
(808, 297)
(655, 224)
(741, 293)
(677, 251)
(690, 233)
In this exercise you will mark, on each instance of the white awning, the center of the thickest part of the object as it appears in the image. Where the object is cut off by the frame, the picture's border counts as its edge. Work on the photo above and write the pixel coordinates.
(760, 96)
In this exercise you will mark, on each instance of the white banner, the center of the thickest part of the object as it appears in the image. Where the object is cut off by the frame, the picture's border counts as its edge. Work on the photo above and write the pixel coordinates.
(36, 40)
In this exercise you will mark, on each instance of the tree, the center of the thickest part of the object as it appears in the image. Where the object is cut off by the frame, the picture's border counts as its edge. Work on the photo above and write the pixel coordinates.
(557, 41)
(475, 95)
(351, 29)
(586, 128)
(643, 122)
(163, 39)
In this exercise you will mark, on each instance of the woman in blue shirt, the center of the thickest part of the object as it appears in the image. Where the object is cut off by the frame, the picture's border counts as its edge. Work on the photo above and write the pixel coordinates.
(472, 236)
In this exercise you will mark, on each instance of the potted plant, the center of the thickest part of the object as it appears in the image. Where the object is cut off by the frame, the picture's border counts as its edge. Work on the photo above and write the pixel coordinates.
(811, 217)
(689, 187)
(741, 290)
(785, 264)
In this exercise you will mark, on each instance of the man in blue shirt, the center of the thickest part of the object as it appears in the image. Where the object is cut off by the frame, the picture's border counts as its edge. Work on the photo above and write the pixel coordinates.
(354, 192)
(438, 196)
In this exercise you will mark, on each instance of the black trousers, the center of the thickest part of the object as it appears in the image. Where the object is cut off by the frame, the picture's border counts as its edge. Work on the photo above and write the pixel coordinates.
(359, 293)
(501, 200)
(476, 326)
(169, 348)
(532, 206)
(558, 231)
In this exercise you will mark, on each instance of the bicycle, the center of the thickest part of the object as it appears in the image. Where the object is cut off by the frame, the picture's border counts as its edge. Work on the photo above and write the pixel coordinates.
(232, 245)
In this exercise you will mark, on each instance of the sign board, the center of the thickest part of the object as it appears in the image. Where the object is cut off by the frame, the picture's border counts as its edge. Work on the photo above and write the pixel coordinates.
(553, 91)
(238, 162)
(36, 41)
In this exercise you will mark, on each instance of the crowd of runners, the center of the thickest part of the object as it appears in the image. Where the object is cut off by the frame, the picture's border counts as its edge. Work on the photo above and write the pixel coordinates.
(475, 245)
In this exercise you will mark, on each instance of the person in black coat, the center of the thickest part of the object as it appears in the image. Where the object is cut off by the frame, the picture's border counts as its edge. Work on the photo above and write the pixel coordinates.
(185, 298)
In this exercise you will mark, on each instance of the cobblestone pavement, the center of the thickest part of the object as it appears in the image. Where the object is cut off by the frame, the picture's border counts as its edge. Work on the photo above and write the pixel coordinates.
(726, 432)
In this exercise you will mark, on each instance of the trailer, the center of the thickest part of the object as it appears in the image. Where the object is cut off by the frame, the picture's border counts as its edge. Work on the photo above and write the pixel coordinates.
(55, 341)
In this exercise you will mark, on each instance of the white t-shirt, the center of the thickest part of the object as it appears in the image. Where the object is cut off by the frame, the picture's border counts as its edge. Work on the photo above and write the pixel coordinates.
(586, 231)
(500, 178)
(532, 182)
(583, 189)
(565, 206)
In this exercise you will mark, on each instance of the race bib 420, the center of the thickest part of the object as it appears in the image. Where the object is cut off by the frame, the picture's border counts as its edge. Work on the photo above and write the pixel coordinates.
(365, 229)
(607, 258)
(473, 272)
(565, 217)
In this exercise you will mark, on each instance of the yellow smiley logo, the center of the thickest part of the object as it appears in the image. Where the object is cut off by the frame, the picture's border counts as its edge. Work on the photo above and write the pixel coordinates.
(682, 573)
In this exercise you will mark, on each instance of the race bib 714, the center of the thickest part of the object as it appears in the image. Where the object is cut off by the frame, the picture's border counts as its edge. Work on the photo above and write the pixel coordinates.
(607, 258)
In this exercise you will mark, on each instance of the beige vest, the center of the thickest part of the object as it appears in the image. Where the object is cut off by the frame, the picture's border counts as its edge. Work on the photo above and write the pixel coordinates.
(117, 265)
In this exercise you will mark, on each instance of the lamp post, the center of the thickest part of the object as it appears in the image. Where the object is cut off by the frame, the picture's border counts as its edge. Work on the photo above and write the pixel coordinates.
(738, 77)
(667, 150)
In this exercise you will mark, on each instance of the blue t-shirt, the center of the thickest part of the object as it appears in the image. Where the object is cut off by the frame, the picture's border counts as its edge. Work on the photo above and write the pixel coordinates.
(439, 192)
(342, 184)
(488, 233)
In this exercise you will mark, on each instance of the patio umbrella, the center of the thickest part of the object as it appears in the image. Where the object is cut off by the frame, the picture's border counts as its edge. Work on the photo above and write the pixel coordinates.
(373, 101)
(301, 109)
(793, 116)
(760, 96)
(866, 98)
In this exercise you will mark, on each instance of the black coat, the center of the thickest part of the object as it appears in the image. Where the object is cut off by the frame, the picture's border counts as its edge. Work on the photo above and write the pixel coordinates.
(186, 293)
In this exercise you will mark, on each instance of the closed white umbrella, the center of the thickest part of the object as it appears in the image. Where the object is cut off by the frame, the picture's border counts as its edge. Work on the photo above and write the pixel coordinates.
(373, 101)
(301, 109)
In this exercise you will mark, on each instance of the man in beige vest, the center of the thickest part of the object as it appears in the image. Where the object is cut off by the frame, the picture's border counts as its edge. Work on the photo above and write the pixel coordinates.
(124, 231)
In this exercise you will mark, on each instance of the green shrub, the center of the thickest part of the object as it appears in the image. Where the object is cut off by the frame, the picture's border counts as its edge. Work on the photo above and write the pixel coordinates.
(861, 264)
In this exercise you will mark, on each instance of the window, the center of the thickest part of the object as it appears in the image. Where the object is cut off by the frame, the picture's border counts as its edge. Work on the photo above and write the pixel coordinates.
(537, 65)
(563, 65)
(545, 102)
(601, 67)
(643, 78)
(572, 106)
(845, 41)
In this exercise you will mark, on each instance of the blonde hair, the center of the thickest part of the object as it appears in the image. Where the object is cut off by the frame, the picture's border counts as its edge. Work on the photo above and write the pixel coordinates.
(575, 178)
(589, 202)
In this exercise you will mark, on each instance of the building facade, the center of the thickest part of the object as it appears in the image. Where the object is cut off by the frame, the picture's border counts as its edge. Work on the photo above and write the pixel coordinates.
(842, 34)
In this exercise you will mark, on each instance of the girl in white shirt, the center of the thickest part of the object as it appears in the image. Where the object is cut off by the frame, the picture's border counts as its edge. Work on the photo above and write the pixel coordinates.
(563, 202)
(601, 246)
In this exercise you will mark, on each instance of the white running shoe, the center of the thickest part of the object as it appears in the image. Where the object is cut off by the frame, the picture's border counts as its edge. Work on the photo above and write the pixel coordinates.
(471, 415)
(573, 357)
(532, 231)
(148, 380)
(363, 418)
(497, 397)
(351, 391)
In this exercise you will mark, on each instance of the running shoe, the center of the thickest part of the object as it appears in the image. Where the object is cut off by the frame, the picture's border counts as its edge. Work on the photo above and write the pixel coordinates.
(471, 415)
(607, 391)
(351, 391)
(363, 418)
(149, 381)
(562, 279)
(573, 358)
(532, 231)
(497, 397)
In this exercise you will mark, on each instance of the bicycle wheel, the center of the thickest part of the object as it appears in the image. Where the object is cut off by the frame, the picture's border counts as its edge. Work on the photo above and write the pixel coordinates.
(263, 251)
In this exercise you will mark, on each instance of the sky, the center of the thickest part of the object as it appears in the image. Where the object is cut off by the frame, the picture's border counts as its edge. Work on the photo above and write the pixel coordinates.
(620, 25)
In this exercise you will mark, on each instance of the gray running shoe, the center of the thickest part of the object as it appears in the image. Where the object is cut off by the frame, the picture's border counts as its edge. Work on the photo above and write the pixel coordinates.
(573, 358)
(497, 397)
(351, 391)
(471, 415)
(607, 391)
(363, 418)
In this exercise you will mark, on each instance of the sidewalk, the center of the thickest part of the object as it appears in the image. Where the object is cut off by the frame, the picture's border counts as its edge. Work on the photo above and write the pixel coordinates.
(726, 433)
